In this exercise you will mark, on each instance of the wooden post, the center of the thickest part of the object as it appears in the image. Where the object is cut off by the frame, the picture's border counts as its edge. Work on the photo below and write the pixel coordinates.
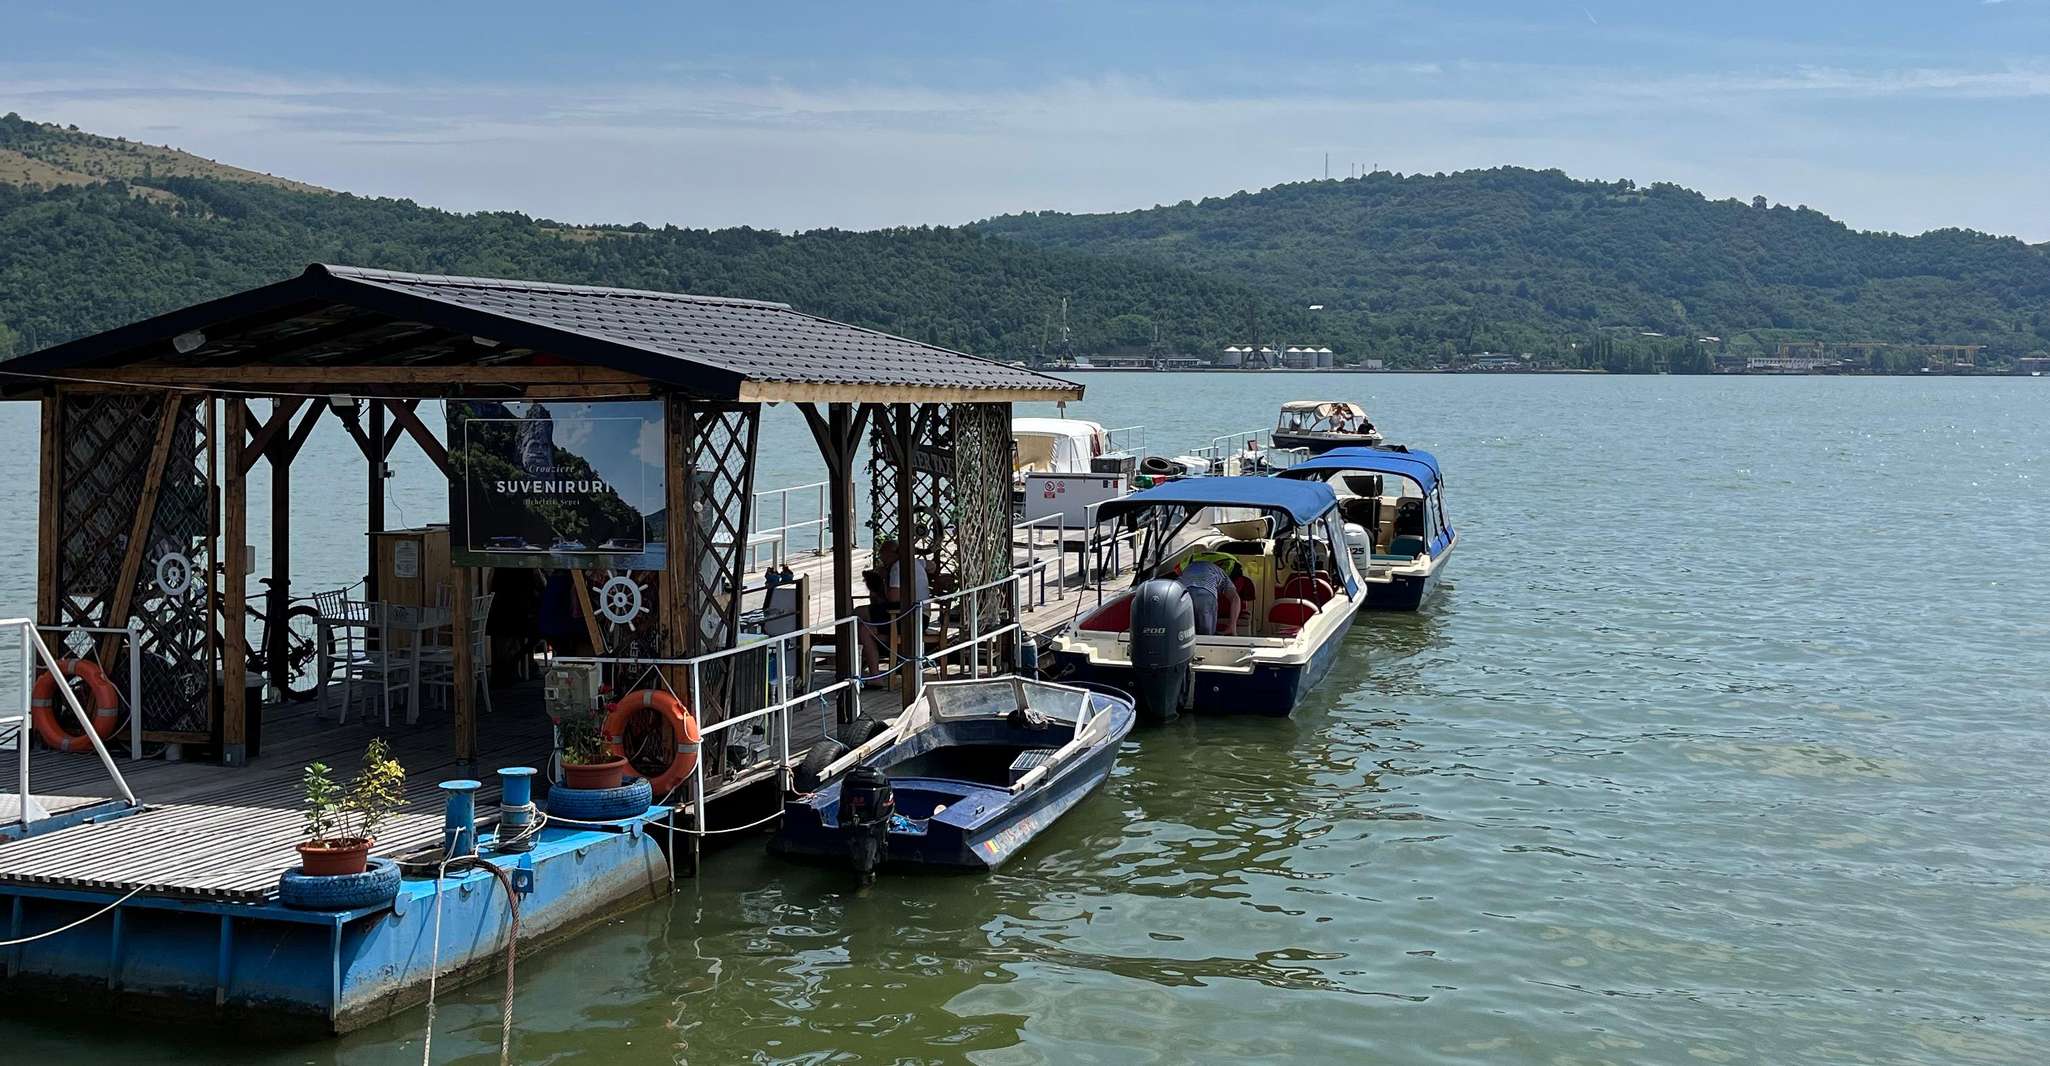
(235, 531)
(278, 639)
(50, 500)
(465, 680)
(913, 625)
(676, 618)
(838, 435)
(375, 518)
(123, 598)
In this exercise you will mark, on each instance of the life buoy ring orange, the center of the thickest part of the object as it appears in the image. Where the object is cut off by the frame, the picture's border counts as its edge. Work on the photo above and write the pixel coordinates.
(683, 728)
(49, 722)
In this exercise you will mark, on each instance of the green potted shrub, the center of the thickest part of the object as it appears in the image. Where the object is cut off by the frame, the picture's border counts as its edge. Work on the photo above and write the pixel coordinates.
(587, 761)
(342, 820)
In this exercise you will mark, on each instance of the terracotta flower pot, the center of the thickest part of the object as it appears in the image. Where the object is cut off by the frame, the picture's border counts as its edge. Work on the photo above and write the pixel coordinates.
(607, 774)
(326, 858)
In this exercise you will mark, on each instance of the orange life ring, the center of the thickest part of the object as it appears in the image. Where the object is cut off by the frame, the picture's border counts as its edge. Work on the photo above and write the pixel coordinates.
(49, 722)
(683, 761)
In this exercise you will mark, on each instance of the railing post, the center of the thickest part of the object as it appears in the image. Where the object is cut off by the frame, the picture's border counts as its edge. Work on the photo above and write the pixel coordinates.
(135, 690)
(821, 513)
(28, 708)
(975, 634)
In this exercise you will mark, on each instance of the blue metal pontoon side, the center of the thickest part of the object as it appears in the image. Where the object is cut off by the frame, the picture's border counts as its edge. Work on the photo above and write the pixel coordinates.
(324, 971)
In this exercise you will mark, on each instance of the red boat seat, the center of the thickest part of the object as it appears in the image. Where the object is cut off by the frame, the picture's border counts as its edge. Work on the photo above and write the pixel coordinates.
(1315, 588)
(1112, 617)
(1291, 613)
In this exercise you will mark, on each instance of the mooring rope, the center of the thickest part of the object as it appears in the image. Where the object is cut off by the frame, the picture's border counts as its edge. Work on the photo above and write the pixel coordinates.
(512, 957)
(132, 893)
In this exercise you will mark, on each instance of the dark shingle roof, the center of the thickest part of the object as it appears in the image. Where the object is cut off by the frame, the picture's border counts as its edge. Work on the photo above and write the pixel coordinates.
(739, 349)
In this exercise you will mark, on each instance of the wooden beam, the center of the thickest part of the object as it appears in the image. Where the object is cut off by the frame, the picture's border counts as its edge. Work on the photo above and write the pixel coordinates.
(581, 581)
(342, 376)
(303, 430)
(50, 508)
(138, 529)
(331, 333)
(675, 503)
(392, 435)
(435, 450)
(277, 638)
(907, 519)
(838, 435)
(374, 501)
(234, 592)
(284, 407)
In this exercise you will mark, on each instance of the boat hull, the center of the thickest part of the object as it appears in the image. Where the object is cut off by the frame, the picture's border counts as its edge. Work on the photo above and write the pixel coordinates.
(1319, 443)
(811, 829)
(1406, 592)
(1272, 690)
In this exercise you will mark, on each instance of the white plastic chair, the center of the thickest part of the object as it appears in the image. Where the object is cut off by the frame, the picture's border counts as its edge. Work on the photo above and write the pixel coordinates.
(438, 664)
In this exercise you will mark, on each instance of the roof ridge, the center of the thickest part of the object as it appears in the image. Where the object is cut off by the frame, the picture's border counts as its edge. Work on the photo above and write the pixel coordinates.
(462, 281)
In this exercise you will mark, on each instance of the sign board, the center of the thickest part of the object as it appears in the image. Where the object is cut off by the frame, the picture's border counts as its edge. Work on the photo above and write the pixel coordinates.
(557, 485)
(405, 558)
(1069, 494)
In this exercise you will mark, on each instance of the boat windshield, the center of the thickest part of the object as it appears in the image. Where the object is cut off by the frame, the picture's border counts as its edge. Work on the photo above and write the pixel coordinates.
(997, 697)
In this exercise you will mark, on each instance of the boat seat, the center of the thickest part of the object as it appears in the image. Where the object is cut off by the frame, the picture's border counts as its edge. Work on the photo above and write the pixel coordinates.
(1029, 760)
(1291, 613)
(1112, 617)
(1316, 588)
(1407, 547)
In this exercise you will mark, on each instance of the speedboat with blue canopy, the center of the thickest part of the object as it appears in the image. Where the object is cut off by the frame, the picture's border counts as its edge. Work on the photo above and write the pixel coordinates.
(1393, 503)
(1281, 544)
(970, 773)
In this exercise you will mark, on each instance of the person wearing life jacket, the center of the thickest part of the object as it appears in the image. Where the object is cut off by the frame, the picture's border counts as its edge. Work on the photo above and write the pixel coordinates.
(1208, 578)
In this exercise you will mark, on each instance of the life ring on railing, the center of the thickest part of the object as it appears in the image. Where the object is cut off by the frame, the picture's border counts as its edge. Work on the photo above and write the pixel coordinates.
(44, 700)
(682, 727)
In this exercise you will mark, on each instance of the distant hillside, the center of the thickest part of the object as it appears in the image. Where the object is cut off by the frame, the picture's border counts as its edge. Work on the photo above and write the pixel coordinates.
(1519, 259)
(78, 256)
(43, 155)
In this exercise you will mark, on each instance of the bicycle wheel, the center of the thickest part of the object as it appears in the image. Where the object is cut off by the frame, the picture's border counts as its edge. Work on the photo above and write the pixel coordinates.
(302, 652)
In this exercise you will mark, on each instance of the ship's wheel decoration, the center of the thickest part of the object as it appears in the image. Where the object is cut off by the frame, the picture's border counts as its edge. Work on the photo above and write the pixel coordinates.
(174, 575)
(620, 601)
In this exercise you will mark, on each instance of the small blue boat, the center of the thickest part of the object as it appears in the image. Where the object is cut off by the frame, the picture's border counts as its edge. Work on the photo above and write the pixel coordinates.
(963, 779)
(1400, 539)
(1284, 545)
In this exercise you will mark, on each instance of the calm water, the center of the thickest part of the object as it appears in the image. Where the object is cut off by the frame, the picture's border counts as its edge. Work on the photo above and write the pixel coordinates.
(1725, 744)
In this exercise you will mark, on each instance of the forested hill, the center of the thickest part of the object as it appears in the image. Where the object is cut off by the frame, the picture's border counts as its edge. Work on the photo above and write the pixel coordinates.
(88, 253)
(1519, 259)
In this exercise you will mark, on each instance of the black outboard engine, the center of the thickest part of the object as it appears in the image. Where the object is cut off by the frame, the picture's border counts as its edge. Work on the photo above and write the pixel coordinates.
(866, 805)
(1163, 649)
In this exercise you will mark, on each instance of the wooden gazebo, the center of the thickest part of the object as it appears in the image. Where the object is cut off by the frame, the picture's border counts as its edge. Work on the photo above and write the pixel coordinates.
(149, 432)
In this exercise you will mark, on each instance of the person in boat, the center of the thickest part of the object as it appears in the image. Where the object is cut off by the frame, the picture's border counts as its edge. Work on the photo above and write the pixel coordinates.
(886, 599)
(1208, 579)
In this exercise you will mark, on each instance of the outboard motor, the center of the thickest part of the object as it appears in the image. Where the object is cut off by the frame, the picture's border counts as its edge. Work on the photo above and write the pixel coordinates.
(1163, 649)
(866, 805)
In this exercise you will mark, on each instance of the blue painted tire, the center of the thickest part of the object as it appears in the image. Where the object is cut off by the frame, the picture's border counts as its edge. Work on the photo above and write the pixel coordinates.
(340, 892)
(601, 804)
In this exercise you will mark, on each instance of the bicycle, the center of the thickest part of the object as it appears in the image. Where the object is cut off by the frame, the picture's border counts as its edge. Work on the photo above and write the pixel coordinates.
(301, 643)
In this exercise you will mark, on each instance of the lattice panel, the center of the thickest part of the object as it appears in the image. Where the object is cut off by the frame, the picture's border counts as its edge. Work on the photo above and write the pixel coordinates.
(719, 449)
(106, 448)
(932, 485)
(981, 537)
(108, 439)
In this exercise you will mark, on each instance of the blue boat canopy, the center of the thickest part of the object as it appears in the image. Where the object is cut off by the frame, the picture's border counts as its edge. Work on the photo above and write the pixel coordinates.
(1302, 501)
(1420, 467)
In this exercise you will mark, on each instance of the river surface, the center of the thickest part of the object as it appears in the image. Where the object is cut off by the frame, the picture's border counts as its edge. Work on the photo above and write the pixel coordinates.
(1725, 743)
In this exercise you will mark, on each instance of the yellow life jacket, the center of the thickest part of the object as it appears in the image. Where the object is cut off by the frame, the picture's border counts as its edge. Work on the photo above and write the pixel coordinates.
(1228, 563)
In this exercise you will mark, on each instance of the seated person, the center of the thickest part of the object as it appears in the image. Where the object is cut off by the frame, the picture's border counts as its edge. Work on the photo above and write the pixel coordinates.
(1208, 579)
(886, 600)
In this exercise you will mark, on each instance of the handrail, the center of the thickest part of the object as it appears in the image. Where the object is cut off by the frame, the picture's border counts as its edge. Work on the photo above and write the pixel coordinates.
(1110, 437)
(819, 521)
(32, 649)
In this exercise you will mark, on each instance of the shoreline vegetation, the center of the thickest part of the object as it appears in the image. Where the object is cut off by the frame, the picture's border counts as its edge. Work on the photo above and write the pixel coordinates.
(1414, 271)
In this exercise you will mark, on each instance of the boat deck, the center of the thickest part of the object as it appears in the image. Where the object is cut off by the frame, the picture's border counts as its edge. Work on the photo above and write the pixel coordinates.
(221, 833)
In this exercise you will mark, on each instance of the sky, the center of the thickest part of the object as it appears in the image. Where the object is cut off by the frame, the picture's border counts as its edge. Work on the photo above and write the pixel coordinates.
(1902, 115)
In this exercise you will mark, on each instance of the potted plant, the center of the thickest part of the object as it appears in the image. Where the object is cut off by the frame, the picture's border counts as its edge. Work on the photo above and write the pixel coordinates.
(342, 821)
(587, 762)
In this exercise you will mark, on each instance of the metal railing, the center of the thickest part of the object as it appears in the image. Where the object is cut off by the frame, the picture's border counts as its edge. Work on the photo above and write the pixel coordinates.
(1129, 440)
(33, 650)
(778, 500)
